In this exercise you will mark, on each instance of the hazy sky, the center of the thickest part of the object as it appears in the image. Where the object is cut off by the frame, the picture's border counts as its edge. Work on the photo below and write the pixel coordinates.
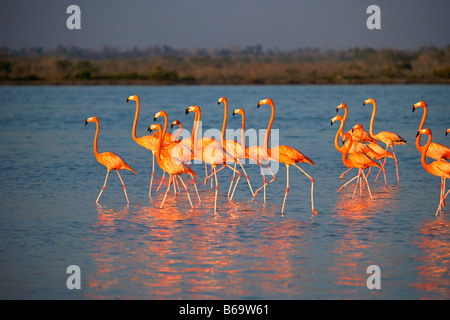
(281, 24)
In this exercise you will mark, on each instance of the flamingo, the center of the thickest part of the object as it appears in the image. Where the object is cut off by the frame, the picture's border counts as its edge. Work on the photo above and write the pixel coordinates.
(356, 160)
(435, 151)
(168, 163)
(232, 147)
(246, 154)
(211, 151)
(149, 142)
(287, 155)
(387, 137)
(110, 160)
(439, 168)
(177, 149)
(364, 136)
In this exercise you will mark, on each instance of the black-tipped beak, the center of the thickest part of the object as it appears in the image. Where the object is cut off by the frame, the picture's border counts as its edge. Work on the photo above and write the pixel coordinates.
(258, 105)
(446, 133)
(171, 126)
(218, 102)
(352, 130)
(417, 133)
(87, 123)
(331, 122)
(186, 111)
(128, 99)
(414, 108)
(149, 130)
(337, 110)
(234, 113)
(154, 119)
(364, 103)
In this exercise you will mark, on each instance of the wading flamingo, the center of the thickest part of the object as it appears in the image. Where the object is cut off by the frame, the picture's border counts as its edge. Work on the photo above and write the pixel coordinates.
(356, 160)
(168, 163)
(439, 168)
(212, 152)
(110, 160)
(287, 155)
(232, 147)
(435, 151)
(176, 149)
(246, 154)
(149, 142)
(387, 137)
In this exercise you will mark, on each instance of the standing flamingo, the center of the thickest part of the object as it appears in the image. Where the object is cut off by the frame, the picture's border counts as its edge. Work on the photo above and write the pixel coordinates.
(149, 142)
(168, 163)
(439, 168)
(356, 160)
(177, 149)
(435, 151)
(287, 155)
(233, 147)
(110, 160)
(212, 152)
(389, 138)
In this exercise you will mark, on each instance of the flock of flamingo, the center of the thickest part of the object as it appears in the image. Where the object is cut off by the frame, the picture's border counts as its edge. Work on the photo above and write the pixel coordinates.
(360, 150)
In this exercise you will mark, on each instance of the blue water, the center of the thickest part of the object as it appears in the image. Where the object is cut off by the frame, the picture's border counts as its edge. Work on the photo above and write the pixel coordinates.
(50, 179)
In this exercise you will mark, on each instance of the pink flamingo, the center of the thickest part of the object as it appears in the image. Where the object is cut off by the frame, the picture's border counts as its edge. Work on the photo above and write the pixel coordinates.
(110, 160)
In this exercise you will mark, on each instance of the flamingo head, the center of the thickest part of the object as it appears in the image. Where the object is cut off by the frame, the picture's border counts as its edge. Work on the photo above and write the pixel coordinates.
(265, 101)
(239, 110)
(338, 117)
(154, 126)
(424, 131)
(174, 123)
(91, 119)
(223, 99)
(341, 106)
(420, 104)
(447, 131)
(357, 126)
(370, 100)
(159, 114)
(133, 97)
(192, 108)
(347, 136)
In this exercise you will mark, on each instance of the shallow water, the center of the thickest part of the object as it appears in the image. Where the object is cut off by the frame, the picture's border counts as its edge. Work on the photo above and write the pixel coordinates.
(50, 179)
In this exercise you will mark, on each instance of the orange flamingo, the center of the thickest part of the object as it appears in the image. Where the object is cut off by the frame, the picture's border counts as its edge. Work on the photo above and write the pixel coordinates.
(287, 155)
(387, 137)
(110, 160)
(435, 151)
(356, 160)
(363, 137)
(232, 147)
(149, 142)
(168, 163)
(212, 152)
(439, 168)
(177, 149)
(246, 154)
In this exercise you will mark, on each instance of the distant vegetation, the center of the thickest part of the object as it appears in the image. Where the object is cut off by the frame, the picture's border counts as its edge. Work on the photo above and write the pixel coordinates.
(234, 65)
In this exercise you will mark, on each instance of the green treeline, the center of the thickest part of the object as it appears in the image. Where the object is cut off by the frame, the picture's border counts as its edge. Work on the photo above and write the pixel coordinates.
(234, 65)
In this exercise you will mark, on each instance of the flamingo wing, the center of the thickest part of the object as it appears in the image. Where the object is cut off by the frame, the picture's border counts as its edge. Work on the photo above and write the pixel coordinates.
(390, 138)
(286, 154)
(113, 162)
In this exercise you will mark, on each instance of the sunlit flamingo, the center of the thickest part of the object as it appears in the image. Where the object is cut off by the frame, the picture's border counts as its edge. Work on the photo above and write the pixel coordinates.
(435, 151)
(246, 154)
(177, 149)
(110, 160)
(381, 153)
(212, 152)
(168, 163)
(149, 142)
(363, 137)
(287, 155)
(233, 147)
(439, 168)
(356, 160)
(389, 138)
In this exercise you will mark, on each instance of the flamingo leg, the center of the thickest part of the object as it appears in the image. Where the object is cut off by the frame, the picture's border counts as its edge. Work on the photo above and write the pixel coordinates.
(384, 163)
(103, 188)
(312, 188)
(217, 188)
(368, 187)
(232, 179)
(343, 174)
(214, 172)
(265, 184)
(246, 177)
(123, 185)
(396, 163)
(342, 187)
(287, 187)
(237, 181)
(195, 186)
(187, 192)
(162, 179)
(151, 179)
(357, 182)
(167, 191)
(175, 186)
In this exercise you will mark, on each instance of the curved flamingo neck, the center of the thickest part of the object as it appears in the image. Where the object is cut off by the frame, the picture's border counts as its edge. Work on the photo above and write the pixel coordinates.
(424, 116)
(96, 138)
(336, 139)
(346, 149)
(225, 117)
(343, 120)
(178, 132)
(163, 134)
(372, 119)
(133, 132)
(269, 127)
(243, 130)
(424, 151)
(196, 126)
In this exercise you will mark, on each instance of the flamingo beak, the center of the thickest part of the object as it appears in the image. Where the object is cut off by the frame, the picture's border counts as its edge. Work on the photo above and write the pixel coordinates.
(87, 123)
(258, 105)
(414, 108)
(149, 130)
(171, 126)
(417, 133)
(331, 121)
(186, 111)
(154, 119)
(364, 103)
(446, 133)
